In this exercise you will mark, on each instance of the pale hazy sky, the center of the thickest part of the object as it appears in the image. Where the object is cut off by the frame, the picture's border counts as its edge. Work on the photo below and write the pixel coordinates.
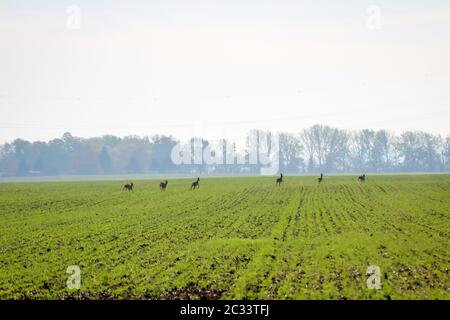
(219, 68)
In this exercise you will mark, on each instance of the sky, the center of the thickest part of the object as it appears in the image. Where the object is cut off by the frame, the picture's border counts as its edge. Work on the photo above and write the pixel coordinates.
(218, 68)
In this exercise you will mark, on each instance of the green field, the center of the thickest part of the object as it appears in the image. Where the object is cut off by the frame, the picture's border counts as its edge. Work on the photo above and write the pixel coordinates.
(233, 238)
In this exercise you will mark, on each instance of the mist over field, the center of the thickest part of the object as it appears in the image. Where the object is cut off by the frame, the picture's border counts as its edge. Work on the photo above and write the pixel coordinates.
(312, 150)
(219, 69)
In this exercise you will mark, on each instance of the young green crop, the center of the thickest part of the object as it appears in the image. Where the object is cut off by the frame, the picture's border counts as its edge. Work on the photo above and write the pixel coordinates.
(233, 238)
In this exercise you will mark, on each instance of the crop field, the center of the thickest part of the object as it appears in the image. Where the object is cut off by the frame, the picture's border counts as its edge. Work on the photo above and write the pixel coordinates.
(233, 238)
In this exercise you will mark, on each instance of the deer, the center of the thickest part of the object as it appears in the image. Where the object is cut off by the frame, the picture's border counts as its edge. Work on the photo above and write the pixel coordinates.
(195, 184)
(128, 186)
(163, 185)
(280, 180)
(320, 179)
(362, 178)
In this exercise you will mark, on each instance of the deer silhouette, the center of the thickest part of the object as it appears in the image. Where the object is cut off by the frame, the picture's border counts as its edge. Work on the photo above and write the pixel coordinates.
(362, 178)
(280, 180)
(195, 184)
(128, 186)
(320, 179)
(163, 185)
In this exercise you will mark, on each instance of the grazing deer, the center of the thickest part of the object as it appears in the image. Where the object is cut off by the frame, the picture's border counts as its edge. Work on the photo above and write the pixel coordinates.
(128, 186)
(280, 180)
(163, 185)
(320, 178)
(362, 178)
(195, 184)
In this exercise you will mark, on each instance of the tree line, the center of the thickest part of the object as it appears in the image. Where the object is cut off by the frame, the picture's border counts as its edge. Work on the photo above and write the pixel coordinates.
(319, 148)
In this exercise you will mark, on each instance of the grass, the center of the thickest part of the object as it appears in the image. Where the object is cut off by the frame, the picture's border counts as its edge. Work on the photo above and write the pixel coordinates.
(234, 238)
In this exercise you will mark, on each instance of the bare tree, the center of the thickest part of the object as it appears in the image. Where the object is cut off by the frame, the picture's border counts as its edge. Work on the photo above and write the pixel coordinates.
(290, 153)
